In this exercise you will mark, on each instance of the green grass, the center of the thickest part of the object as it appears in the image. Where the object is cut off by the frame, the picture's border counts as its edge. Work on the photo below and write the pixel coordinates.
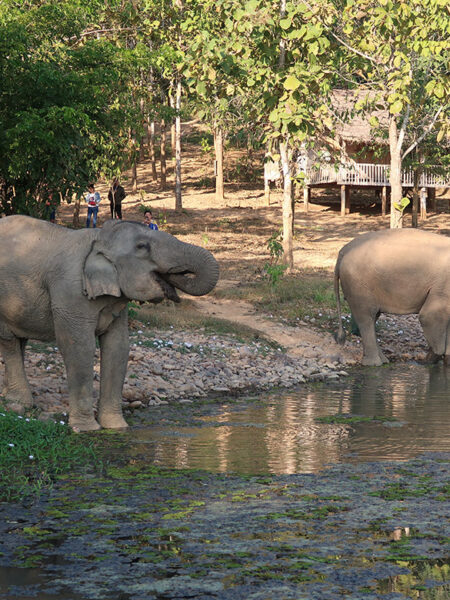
(293, 298)
(33, 453)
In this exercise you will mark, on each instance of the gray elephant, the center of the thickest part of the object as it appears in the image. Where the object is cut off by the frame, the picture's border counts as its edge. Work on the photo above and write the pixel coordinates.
(73, 286)
(399, 271)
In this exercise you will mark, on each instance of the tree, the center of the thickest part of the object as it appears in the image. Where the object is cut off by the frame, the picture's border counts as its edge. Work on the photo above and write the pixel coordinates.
(281, 56)
(59, 108)
(397, 51)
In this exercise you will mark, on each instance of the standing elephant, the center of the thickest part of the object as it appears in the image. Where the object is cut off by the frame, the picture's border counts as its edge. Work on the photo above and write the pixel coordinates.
(73, 286)
(399, 271)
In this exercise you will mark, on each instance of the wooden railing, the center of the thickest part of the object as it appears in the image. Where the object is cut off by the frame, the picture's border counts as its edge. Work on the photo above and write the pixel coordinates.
(369, 174)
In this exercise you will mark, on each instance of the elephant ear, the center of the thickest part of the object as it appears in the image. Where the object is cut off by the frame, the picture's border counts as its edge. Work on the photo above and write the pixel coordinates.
(100, 276)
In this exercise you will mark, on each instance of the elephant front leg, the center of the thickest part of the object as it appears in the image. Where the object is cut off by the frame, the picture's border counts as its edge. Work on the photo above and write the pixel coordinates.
(15, 385)
(78, 351)
(114, 349)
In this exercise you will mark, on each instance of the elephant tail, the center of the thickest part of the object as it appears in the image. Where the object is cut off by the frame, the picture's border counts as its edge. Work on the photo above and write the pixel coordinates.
(340, 333)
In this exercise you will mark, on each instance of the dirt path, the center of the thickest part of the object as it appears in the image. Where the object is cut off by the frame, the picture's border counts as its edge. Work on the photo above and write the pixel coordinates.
(298, 341)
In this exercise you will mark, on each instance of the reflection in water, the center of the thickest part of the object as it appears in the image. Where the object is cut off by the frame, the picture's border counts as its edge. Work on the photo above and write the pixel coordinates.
(280, 434)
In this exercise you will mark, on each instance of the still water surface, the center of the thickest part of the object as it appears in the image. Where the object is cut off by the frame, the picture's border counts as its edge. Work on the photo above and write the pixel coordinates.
(280, 433)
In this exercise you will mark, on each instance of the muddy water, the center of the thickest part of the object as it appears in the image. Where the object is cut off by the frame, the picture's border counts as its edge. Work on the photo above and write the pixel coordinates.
(283, 434)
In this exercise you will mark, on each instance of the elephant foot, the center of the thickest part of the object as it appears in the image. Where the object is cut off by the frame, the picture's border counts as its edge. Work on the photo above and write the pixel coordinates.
(79, 425)
(112, 421)
(369, 361)
(432, 357)
(17, 400)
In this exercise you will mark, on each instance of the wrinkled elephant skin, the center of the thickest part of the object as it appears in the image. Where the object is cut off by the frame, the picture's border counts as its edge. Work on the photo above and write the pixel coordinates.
(398, 271)
(73, 286)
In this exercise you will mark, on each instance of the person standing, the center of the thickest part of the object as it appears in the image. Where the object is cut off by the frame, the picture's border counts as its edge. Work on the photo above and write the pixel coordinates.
(93, 201)
(148, 220)
(115, 196)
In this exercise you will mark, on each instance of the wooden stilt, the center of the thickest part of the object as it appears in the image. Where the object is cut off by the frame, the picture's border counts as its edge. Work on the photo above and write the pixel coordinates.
(343, 198)
(423, 203)
(383, 201)
(306, 197)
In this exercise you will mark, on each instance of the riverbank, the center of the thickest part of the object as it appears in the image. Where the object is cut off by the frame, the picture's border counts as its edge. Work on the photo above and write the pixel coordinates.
(180, 366)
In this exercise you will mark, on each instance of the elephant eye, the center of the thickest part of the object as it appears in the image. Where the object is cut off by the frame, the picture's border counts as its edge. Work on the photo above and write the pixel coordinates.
(143, 246)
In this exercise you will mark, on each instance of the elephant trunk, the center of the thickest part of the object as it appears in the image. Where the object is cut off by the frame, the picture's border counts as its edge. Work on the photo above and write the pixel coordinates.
(196, 271)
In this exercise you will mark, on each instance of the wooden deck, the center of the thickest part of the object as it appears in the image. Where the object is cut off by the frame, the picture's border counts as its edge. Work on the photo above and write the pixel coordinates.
(368, 174)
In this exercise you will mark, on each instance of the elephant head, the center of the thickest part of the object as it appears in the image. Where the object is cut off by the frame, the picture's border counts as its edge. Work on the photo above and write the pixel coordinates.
(129, 259)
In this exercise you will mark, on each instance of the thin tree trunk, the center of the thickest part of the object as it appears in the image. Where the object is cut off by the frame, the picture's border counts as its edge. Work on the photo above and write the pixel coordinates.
(151, 147)
(76, 210)
(173, 133)
(178, 199)
(288, 213)
(163, 155)
(218, 147)
(395, 177)
(141, 141)
(415, 202)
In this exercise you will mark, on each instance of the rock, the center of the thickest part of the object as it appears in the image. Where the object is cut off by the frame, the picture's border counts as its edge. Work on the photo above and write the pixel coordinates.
(135, 404)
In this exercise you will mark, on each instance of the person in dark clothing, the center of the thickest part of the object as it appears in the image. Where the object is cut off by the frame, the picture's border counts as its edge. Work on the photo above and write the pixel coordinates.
(115, 196)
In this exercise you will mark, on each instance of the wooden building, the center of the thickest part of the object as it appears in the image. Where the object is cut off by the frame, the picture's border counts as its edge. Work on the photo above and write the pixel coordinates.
(360, 159)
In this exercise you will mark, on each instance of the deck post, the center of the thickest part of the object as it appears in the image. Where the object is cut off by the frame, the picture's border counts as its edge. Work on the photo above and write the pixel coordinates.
(383, 200)
(345, 200)
(423, 203)
(306, 197)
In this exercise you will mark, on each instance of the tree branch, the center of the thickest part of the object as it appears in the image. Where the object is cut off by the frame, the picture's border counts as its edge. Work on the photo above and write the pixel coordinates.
(401, 135)
(424, 134)
(340, 40)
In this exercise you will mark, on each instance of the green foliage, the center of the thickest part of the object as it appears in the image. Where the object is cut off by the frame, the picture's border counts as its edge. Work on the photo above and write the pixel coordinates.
(206, 146)
(274, 270)
(33, 453)
(63, 108)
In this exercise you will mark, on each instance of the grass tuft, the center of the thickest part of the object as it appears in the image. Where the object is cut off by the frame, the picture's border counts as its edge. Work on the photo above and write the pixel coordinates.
(33, 453)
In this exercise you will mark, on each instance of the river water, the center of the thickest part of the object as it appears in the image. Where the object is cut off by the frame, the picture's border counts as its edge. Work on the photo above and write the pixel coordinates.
(296, 431)
(284, 434)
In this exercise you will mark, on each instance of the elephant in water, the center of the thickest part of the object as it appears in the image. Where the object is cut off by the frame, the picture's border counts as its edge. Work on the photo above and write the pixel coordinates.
(399, 271)
(73, 286)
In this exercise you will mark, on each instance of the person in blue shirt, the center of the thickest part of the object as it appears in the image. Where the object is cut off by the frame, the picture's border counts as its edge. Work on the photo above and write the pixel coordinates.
(148, 220)
(93, 200)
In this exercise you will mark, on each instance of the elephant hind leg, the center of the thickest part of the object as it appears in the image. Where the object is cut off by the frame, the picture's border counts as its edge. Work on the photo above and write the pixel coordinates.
(435, 325)
(15, 385)
(365, 319)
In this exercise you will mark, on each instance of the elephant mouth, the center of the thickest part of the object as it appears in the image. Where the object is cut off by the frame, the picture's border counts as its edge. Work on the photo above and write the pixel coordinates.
(168, 290)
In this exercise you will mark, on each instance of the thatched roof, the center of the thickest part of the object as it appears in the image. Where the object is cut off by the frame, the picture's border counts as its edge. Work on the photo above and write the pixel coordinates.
(352, 124)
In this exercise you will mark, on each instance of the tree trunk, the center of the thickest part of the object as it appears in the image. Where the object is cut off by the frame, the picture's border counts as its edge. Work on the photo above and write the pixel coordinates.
(395, 176)
(288, 213)
(134, 173)
(415, 201)
(178, 199)
(163, 155)
(141, 141)
(173, 126)
(218, 148)
(151, 147)
(76, 211)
